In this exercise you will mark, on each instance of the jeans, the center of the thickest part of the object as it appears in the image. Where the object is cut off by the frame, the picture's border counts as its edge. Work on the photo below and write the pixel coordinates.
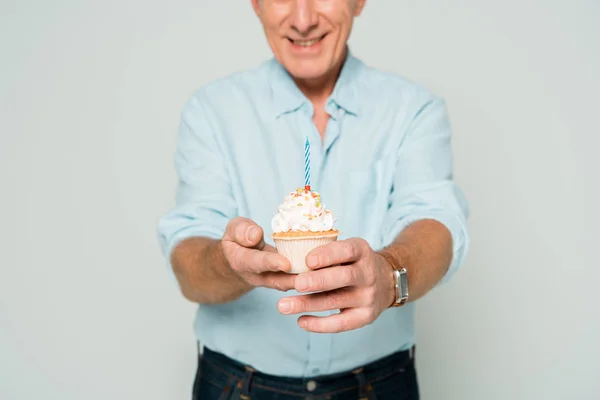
(221, 378)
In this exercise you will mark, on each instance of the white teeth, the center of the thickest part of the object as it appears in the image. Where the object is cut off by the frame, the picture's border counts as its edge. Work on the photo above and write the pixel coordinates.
(306, 43)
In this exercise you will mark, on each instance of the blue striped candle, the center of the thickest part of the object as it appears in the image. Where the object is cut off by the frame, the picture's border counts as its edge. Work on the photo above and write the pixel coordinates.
(307, 165)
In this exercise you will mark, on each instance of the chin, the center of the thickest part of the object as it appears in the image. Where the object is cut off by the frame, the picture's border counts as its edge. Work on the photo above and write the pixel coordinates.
(308, 69)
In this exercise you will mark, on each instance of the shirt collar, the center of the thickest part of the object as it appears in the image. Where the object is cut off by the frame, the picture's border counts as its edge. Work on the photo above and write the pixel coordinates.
(287, 97)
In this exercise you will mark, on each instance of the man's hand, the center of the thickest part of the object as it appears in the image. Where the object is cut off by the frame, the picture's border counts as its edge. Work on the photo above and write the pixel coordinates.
(255, 262)
(358, 282)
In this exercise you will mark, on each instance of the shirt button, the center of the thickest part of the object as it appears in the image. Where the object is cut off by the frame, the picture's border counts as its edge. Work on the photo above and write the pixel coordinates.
(311, 385)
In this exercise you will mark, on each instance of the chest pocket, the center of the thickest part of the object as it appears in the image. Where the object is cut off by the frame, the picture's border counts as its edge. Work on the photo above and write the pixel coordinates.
(366, 201)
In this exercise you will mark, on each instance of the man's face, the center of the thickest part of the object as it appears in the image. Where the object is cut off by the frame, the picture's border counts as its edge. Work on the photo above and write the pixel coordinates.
(308, 37)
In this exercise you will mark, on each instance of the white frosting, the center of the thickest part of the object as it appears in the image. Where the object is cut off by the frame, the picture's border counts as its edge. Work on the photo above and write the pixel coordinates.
(302, 211)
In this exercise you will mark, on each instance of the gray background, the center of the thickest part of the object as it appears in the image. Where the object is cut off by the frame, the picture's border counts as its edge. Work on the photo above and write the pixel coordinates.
(90, 95)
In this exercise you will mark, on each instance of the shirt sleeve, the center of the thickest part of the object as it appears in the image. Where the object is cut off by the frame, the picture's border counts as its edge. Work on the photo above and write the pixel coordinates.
(423, 182)
(204, 203)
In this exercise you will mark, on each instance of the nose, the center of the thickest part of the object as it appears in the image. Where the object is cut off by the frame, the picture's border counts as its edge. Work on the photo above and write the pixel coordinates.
(304, 17)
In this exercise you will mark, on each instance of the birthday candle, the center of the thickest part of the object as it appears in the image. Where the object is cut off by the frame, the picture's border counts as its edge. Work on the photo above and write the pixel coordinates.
(307, 165)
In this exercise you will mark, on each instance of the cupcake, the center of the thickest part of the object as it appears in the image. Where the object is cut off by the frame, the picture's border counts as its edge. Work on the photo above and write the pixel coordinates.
(301, 224)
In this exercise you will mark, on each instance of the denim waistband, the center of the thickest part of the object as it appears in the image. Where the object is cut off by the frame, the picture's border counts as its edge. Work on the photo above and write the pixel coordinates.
(215, 363)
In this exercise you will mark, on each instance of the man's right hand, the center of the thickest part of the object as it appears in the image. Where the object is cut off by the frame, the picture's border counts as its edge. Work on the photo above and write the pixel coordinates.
(256, 262)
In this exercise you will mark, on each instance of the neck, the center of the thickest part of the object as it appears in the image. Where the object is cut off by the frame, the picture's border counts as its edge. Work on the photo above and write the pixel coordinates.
(319, 89)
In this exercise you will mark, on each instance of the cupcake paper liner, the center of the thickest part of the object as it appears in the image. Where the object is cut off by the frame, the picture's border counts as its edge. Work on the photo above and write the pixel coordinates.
(296, 249)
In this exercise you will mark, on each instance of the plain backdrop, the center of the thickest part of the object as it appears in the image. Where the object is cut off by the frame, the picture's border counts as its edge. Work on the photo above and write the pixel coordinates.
(90, 96)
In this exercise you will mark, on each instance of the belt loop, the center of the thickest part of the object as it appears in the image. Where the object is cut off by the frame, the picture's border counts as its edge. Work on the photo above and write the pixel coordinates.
(245, 384)
(365, 390)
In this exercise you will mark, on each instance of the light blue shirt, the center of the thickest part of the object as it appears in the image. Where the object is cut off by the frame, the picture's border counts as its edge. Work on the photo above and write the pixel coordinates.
(386, 162)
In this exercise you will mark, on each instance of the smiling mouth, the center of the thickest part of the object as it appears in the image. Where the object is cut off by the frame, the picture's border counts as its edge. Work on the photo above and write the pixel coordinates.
(307, 43)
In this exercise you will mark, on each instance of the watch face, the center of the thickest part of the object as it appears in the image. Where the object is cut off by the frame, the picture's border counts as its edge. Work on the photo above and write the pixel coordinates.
(403, 285)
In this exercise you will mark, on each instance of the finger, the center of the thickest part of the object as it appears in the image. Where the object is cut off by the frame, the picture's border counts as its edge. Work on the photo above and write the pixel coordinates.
(330, 300)
(348, 319)
(259, 261)
(245, 232)
(338, 252)
(329, 278)
(269, 248)
(277, 280)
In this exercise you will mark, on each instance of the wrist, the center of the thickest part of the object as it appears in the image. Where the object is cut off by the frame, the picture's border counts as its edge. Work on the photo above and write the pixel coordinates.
(399, 278)
(389, 280)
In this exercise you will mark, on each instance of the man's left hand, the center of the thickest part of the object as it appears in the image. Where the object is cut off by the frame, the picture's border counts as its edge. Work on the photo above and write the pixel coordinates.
(347, 276)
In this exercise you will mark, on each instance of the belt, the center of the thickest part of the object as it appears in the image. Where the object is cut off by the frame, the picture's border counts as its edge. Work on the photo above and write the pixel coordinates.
(243, 377)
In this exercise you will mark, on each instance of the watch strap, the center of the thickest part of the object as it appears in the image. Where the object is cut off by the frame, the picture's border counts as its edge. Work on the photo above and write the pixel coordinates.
(398, 271)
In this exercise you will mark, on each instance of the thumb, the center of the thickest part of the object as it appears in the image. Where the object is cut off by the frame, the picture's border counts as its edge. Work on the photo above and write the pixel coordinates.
(255, 236)
(245, 232)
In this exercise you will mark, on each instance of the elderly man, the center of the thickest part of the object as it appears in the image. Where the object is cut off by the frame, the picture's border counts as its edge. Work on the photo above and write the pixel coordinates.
(381, 160)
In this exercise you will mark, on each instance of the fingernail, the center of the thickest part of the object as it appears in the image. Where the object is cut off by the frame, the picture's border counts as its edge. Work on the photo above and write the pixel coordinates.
(285, 306)
(303, 283)
(251, 234)
(302, 323)
(312, 261)
(285, 267)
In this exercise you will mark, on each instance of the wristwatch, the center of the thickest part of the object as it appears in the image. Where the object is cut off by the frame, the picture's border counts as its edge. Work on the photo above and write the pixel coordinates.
(400, 282)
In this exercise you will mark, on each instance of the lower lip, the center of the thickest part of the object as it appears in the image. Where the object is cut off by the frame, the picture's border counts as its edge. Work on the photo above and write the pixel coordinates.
(307, 49)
